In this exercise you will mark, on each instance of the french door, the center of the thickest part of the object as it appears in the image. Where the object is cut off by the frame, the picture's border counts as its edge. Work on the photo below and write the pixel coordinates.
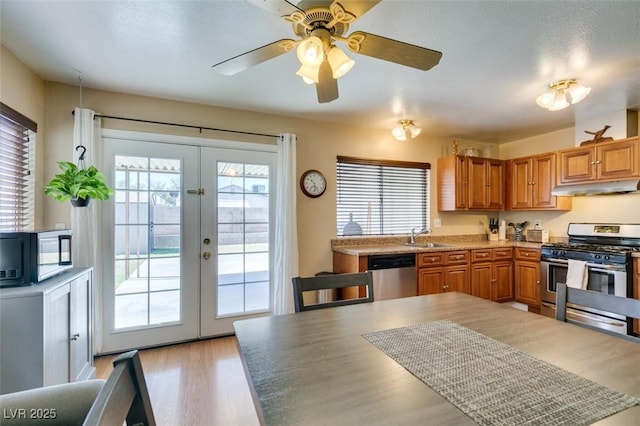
(188, 240)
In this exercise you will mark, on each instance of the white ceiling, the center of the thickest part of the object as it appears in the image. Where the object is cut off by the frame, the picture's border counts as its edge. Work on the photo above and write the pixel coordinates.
(498, 56)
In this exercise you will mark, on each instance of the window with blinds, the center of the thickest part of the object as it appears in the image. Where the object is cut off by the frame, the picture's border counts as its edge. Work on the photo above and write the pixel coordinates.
(377, 197)
(17, 161)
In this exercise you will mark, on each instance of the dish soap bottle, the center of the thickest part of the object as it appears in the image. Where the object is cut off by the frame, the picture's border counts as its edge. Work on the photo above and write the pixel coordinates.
(502, 231)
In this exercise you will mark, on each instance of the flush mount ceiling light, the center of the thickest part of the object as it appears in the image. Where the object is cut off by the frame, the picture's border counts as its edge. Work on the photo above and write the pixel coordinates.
(405, 129)
(561, 93)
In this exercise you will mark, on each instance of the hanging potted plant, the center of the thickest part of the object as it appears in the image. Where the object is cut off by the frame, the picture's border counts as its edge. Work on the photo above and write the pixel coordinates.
(78, 185)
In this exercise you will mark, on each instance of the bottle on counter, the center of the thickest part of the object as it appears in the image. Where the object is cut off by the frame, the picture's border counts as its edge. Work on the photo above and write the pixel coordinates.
(502, 231)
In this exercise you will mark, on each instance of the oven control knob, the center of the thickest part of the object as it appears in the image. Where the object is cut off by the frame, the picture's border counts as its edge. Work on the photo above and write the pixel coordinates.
(607, 257)
(597, 256)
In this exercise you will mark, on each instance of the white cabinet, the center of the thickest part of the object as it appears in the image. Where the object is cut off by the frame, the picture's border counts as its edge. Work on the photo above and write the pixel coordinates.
(45, 332)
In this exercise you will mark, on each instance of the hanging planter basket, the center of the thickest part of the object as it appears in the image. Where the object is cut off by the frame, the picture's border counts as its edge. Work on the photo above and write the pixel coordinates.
(80, 202)
(78, 184)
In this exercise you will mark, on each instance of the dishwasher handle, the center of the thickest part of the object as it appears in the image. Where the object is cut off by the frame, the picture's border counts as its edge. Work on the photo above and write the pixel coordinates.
(391, 261)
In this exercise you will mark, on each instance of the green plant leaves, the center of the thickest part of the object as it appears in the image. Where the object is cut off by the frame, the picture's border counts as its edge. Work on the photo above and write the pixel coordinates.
(78, 183)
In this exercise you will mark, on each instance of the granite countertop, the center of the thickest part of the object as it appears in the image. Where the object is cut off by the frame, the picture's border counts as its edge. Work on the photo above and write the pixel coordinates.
(365, 246)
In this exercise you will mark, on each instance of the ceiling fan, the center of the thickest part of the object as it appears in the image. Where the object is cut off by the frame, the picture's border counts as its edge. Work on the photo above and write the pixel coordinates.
(319, 25)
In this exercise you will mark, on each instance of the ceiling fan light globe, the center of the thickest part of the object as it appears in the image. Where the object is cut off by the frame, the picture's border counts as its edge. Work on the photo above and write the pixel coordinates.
(578, 93)
(308, 73)
(310, 51)
(546, 99)
(414, 130)
(339, 61)
(560, 102)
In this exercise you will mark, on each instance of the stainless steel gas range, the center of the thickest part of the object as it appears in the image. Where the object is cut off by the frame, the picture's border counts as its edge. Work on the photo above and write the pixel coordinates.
(606, 248)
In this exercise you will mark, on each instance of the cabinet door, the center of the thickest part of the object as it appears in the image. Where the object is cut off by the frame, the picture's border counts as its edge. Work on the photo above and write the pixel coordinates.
(543, 179)
(502, 282)
(80, 356)
(430, 280)
(577, 165)
(521, 191)
(462, 183)
(478, 194)
(481, 278)
(527, 282)
(56, 336)
(495, 184)
(456, 278)
(619, 160)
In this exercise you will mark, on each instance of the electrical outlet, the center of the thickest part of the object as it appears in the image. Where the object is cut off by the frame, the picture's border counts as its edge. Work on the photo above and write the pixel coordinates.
(437, 222)
(59, 225)
(537, 224)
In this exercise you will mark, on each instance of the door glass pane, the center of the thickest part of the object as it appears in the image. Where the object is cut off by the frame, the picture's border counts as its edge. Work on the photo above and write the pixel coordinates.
(243, 238)
(147, 241)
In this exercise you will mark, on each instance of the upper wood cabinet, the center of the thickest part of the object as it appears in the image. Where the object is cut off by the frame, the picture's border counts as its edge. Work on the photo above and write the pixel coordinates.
(470, 183)
(602, 161)
(530, 181)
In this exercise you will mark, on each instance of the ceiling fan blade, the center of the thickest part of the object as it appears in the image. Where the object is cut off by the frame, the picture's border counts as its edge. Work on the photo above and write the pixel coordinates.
(355, 7)
(276, 7)
(327, 86)
(254, 57)
(393, 50)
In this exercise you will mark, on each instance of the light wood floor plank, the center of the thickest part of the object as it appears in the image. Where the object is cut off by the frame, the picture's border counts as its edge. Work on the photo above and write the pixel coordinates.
(196, 383)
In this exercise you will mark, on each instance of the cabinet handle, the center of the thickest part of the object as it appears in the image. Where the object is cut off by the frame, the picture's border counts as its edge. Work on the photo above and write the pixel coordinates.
(526, 254)
(75, 336)
(598, 161)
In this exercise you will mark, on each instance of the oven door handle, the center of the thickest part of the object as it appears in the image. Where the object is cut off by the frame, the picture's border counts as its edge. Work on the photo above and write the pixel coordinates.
(589, 317)
(592, 266)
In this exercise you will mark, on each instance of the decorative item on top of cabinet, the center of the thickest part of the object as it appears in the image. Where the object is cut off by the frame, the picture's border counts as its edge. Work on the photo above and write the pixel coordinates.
(530, 181)
(492, 274)
(443, 271)
(597, 136)
(607, 161)
(470, 183)
(527, 277)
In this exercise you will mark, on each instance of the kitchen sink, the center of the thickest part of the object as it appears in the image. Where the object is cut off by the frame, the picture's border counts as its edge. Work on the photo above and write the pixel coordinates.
(427, 245)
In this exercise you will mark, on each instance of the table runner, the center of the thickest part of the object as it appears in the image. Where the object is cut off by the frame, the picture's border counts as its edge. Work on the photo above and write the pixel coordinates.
(494, 383)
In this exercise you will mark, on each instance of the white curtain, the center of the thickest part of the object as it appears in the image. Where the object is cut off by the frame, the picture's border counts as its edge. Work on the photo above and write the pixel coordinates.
(85, 221)
(286, 229)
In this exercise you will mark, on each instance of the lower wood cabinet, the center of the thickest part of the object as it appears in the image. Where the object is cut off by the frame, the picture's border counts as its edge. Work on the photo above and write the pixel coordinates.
(636, 291)
(492, 274)
(527, 277)
(439, 272)
(46, 332)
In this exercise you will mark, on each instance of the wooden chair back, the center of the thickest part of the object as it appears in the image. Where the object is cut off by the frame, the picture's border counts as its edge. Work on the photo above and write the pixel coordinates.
(328, 282)
(124, 396)
(592, 299)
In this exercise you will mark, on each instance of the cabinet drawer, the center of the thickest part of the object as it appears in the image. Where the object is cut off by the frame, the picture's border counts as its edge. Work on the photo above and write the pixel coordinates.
(527, 254)
(502, 253)
(457, 257)
(430, 259)
(479, 255)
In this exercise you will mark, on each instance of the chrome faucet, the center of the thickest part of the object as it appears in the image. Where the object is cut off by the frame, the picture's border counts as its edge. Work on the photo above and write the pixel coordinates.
(414, 234)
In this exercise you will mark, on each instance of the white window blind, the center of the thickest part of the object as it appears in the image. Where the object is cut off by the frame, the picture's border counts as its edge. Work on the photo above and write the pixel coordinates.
(17, 160)
(381, 197)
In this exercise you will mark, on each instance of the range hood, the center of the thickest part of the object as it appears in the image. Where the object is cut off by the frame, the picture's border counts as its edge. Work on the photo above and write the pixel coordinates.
(598, 188)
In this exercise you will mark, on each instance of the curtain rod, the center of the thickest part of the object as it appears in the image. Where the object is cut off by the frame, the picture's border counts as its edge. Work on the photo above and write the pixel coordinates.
(164, 123)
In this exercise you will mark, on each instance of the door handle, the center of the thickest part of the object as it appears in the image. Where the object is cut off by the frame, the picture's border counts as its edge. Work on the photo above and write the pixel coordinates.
(206, 255)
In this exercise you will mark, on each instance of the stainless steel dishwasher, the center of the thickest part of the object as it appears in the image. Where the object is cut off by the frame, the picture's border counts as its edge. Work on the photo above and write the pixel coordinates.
(394, 276)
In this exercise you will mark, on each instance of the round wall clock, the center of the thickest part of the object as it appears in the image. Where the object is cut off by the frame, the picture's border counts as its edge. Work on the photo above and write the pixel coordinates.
(313, 183)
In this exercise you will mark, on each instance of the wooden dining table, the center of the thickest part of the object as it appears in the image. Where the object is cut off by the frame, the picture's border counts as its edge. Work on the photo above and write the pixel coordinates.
(316, 368)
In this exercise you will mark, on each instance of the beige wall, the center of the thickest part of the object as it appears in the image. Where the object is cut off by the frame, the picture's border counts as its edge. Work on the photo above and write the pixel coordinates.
(23, 91)
(50, 104)
(318, 145)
